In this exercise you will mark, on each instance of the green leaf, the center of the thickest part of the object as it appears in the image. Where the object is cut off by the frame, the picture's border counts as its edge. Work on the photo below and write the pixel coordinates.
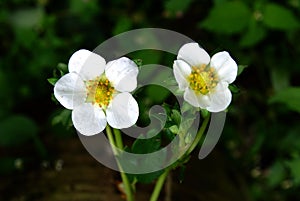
(168, 134)
(280, 78)
(157, 93)
(174, 129)
(143, 146)
(174, 7)
(52, 80)
(85, 9)
(64, 118)
(253, 35)
(227, 18)
(278, 17)
(16, 130)
(123, 24)
(276, 174)
(176, 116)
(294, 166)
(290, 142)
(289, 96)
(26, 18)
(188, 107)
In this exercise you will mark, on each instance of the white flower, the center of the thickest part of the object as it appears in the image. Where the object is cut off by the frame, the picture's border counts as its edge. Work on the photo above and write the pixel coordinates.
(205, 80)
(98, 93)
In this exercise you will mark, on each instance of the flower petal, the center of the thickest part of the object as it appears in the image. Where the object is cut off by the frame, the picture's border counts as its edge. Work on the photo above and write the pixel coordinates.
(123, 74)
(181, 72)
(88, 119)
(123, 111)
(193, 54)
(87, 64)
(220, 98)
(70, 90)
(195, 99)
(225, 66)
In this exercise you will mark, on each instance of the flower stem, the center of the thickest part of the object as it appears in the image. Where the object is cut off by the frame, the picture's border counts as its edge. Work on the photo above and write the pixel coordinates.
(198, 136)
(159, 184)
(119, 140)
(119, 144)
(111, 139)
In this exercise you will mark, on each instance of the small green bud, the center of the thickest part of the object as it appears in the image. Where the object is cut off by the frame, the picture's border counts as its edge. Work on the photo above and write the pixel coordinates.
(174, 129)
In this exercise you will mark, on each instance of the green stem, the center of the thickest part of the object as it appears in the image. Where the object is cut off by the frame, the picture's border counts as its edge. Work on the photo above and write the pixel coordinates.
(119, 140)
(119, 143)
(198, 136)
(159, 184)
(111, 139)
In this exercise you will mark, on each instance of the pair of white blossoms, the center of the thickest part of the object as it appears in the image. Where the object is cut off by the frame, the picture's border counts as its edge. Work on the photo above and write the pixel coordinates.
(99, 92)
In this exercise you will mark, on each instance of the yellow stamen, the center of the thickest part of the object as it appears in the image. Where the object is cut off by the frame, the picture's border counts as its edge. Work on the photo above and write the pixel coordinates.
(202, 79)
(100, 91)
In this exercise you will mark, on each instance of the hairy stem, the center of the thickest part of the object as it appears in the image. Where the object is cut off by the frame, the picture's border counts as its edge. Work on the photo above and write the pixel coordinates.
(198, 136)
(162, 178)
(159, 184)
(118, 143)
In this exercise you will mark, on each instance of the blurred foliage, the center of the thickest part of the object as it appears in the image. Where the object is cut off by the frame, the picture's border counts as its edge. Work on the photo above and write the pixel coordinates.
(262, 133)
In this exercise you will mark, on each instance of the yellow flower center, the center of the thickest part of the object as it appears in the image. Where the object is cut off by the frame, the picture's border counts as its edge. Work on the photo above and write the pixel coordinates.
(99, 91)
(203, 79)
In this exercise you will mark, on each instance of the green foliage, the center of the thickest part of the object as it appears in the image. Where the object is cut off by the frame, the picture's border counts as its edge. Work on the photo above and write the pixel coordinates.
(294, 166)
(175, 7)
(144, 146)
(280, 79)
(61, 69)
(26, 18)
(289, 96)
(124, 24)
(227, 18)
(89, 8)
(253, 35)
(176, 116)
(157, 93)
(64, 118)
(277, 174)
(174, 129)
(278, 17)
(16, 130)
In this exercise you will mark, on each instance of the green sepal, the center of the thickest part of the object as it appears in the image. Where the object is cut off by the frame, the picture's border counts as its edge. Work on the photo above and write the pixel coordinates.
(234, 89)
(138, 62)
(62, 67)
(241, 68)
(52, 80)
(204, 113)
(174, 129)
